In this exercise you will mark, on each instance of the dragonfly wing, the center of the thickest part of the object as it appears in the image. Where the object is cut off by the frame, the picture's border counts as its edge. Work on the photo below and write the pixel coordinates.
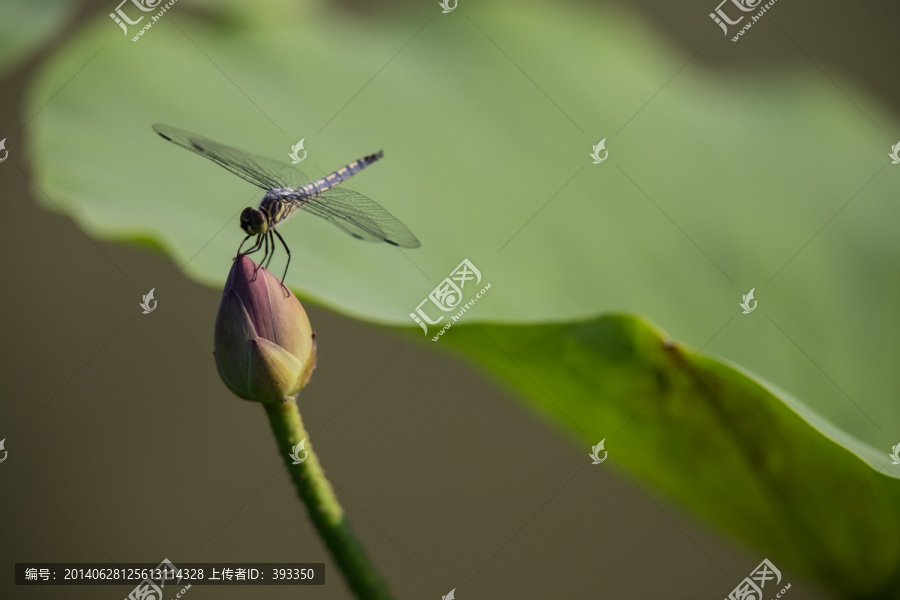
(258, 170)
(361, 217)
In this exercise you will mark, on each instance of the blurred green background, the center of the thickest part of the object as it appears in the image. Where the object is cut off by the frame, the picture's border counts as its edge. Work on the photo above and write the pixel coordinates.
(761, 164)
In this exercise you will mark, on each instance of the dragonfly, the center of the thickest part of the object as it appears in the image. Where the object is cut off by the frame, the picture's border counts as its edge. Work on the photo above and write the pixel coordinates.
(288, 190)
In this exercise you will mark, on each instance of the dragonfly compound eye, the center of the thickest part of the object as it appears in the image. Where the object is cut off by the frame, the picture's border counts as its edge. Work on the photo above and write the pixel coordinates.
(253, 221)
(258, 221)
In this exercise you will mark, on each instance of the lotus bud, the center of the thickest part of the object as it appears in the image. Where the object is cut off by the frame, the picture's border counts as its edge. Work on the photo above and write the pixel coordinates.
(265, 347)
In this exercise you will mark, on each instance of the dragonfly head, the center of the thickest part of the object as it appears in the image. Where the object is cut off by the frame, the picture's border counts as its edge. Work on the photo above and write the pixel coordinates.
(253, 221)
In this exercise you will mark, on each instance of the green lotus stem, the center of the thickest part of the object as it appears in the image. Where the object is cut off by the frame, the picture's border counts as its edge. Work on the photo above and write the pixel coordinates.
(324, 509)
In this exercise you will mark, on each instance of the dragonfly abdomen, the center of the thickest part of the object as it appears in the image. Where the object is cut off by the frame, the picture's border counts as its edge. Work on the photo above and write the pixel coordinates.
(329, 181)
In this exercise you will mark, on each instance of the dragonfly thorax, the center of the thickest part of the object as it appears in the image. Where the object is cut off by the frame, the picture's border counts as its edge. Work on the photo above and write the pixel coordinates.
(253, 221)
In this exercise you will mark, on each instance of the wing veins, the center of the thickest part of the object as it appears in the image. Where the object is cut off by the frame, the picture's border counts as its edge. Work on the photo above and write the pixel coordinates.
(358, 215)
(262, 172)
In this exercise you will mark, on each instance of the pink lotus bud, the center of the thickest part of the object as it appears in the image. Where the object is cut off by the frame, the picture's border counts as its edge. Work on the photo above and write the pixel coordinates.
(265, 347)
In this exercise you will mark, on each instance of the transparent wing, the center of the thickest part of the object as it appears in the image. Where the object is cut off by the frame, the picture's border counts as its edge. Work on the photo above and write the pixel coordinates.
(360, 216)
(258, 170)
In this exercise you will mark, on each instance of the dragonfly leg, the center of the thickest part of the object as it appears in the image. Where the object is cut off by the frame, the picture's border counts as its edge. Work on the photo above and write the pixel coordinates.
(286, 249)
(254, 248)
(265, 238)
(272, 240)
(242, 244)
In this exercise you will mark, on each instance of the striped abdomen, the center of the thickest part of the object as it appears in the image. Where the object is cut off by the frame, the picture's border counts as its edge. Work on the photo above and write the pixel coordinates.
(329, 181)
